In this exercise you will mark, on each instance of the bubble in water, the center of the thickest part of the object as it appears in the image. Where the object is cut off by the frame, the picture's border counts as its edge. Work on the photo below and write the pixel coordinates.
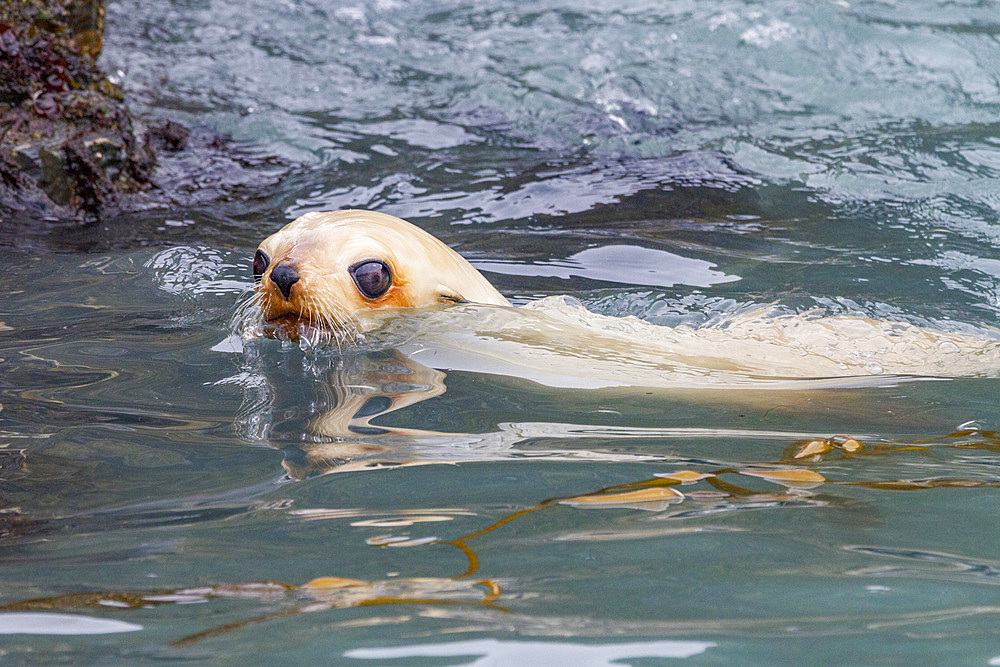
(873, 367)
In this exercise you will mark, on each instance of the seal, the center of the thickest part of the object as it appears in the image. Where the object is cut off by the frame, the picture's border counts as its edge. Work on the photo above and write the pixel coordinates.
(327, 269)
(337, 275)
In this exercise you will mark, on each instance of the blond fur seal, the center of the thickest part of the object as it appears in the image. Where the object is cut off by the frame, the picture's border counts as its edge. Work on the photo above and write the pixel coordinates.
(327, 269)
(340, 274)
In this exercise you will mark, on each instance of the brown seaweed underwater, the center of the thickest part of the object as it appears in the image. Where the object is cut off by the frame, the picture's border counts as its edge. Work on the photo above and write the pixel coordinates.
(794, 480)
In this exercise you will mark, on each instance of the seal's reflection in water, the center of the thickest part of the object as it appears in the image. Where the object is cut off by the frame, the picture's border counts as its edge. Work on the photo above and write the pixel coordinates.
(326, 414)
(329, 429)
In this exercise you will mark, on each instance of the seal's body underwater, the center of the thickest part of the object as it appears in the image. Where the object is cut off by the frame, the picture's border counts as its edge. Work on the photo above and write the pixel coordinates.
(327, 269)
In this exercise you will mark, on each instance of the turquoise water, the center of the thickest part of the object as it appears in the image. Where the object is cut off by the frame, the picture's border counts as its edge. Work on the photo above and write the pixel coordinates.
(175, 493)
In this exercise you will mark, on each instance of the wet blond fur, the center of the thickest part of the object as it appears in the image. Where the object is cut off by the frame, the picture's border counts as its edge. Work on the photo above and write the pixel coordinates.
(322, 247)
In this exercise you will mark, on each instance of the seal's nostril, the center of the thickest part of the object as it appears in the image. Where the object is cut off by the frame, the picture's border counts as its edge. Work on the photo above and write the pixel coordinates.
(284, 276)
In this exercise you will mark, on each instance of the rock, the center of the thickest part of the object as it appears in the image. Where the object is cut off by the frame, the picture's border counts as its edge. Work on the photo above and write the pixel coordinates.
(170, 136)
(69, 147)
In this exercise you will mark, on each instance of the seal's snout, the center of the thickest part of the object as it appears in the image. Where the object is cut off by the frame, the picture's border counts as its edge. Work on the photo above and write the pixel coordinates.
(284, 275)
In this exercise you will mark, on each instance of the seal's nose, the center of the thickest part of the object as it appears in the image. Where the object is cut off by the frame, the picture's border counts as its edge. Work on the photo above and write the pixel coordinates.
(284, 276)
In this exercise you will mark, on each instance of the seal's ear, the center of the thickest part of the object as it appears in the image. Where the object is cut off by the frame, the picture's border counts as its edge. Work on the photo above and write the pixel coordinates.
(448, 295)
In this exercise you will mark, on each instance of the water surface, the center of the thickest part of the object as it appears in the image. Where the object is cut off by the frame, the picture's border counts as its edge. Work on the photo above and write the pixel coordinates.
(683, 163)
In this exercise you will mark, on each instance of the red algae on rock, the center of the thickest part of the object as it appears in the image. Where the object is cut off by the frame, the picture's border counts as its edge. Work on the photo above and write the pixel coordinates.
(69, 148)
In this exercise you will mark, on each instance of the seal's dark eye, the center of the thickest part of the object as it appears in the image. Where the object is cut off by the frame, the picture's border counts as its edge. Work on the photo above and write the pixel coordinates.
(372, 276)
(260, 262)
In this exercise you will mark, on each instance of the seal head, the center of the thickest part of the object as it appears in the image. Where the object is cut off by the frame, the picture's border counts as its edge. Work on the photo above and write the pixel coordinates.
(328, 270)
